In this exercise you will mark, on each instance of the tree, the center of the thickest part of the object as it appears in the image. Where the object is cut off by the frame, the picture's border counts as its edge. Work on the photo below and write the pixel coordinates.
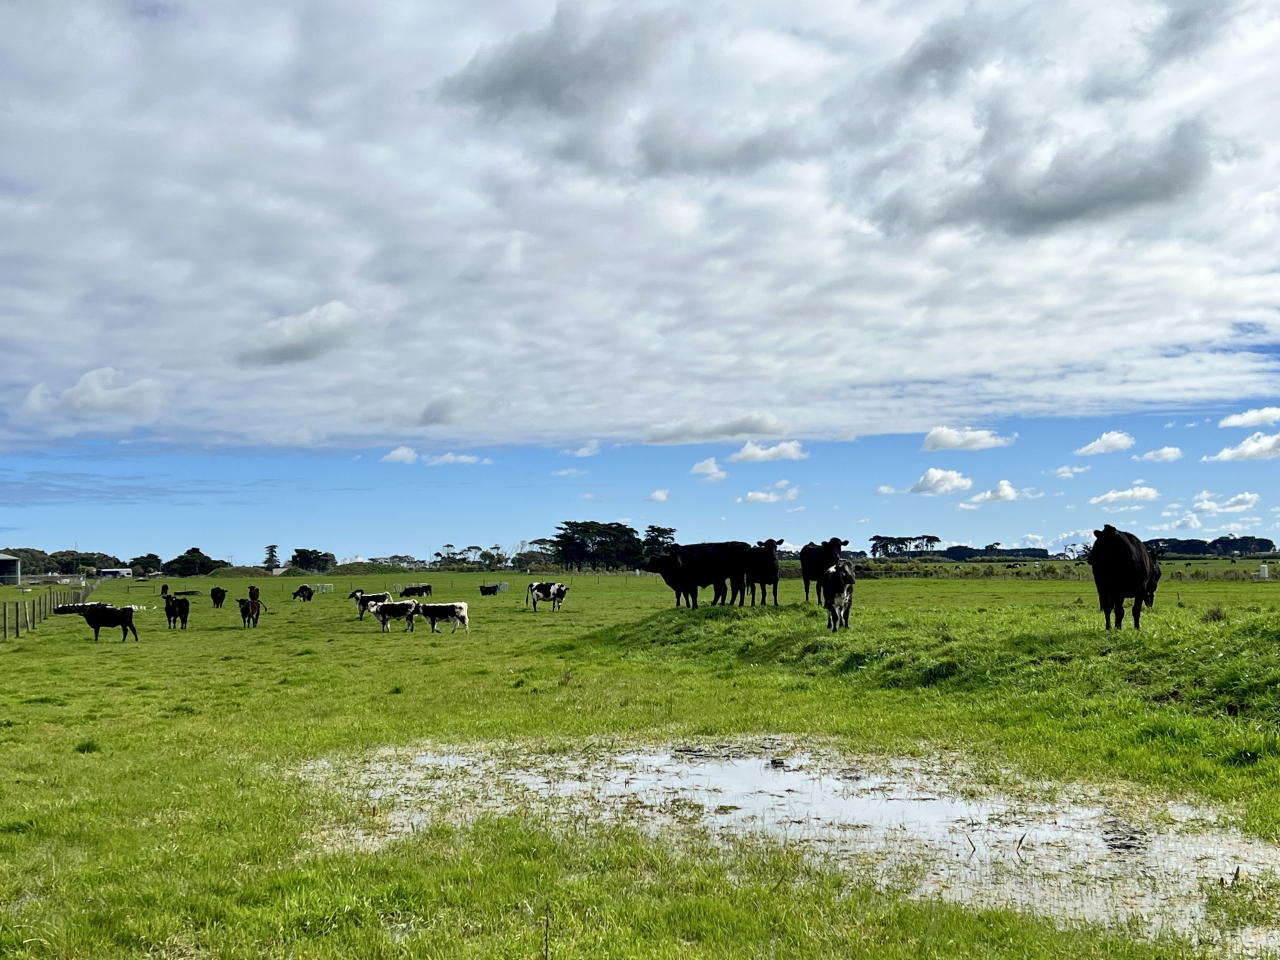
(193, 563)
(313, 561)
(272, 562)
(146, 564)
(33, 561)
(992, 547)
(658, 540)
(75, 561)
(588, 542)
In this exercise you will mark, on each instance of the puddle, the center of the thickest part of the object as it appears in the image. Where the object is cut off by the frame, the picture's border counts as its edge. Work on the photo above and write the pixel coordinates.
(1073, 858)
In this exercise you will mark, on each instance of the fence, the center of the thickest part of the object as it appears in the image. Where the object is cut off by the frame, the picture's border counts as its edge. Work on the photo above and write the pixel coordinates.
(25, 615)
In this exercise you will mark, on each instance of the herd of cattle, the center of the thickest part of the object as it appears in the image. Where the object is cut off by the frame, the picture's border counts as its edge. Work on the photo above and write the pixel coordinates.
(1123, 568)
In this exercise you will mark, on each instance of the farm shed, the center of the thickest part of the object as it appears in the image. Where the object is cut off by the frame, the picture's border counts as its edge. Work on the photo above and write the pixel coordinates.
(10, 570)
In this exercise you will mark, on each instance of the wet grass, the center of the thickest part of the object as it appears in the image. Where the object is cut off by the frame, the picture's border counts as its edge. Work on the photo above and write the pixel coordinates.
(145, 810)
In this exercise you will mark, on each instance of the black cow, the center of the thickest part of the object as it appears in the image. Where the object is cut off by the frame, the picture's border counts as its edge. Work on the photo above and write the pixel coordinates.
(304, 593)
(1123, 567)
(175, 609)
(816, 559)
(553, 592)
(390, 610)
(763, 568)
(713, 565)
(363, 600)
(837, 587)
(250, 610)
(164, 589)
(422, 590)
(668, 567)
(253, 592)
(99, 615)
(218, 595)
(489, 589)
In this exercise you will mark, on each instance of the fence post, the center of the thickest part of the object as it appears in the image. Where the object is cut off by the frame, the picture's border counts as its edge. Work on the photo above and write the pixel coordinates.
(5, 605)
(17, 623)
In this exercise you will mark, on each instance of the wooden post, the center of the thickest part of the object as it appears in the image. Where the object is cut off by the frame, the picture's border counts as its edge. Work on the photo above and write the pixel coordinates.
(5, 605)
(17, 624)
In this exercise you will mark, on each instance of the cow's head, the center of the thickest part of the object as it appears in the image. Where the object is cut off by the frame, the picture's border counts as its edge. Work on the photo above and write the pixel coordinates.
(355, 594)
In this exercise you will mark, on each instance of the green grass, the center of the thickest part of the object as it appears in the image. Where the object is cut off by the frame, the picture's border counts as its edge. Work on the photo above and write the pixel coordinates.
(146, 807)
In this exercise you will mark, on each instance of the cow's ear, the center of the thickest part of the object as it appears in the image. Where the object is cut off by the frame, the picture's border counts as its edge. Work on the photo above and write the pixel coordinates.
(844, 543)
(1097, 533)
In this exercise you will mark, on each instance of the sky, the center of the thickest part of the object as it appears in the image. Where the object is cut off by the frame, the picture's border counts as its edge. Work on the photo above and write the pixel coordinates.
(373, 278)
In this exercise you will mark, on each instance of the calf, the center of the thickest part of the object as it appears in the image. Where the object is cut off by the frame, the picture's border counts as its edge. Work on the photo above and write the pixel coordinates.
(435, 613)
(489, 589)
(304, 593)
(218, 595)
(545, 591)
(250, 610)
(253, 592)
(816, 559)
(363, 600)
(390, 610)
(763, 568)
(421, 590)
(837, 590)
(175, 609)
(99, 615)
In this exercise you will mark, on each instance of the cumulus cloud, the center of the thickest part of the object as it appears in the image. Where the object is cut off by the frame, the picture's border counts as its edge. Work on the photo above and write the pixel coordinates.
(1004, 490)
(1188, 522)
(694, 431)
(884, 489)
(1260, 417)
(445, 459)
(95, 395)
(659, 496)
(1163, 455)
(1067, 473)
(1110, 442)
(401, 454)
(1206, 502)
(752, 452)
(936, 482)
(963, 438)
(301, 336)
(570, 472)
(781, 491)
(1132, 493)
(588, 449)
(709, 470)
(1260, 446)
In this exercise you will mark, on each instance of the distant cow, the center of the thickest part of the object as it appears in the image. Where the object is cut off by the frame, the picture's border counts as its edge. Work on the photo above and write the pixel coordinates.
(175, 609)
(422, 590)
(668, 567)
(713, 565)
(816, 559)
(250, 610)
(489, 589)
(390, 610)
(763, 568)
(253, 592)
(363, 600)
(553, 592)
(304, 593)
(218, 595)
(435, 613)
(837, 589)
(1123, 567)
(99, 615)
(164, 589)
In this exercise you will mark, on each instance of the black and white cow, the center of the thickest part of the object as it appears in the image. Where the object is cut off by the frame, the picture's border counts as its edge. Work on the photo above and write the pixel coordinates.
(99, 615)
(363, 600)
(219, 595)
(304, 593)
(435, 613)
(175, 609)
(545, 591)
(250, 610)
(390, 610)
(836, 584)
(816, 559)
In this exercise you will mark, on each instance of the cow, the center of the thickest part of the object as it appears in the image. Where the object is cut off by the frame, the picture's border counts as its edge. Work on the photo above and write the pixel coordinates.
(390, 610)
(164, 589)
(363, 600)
(668, 567)
(250, 610)
(304, 593)
(712, 565)
(219, 595)
(254, 592)
(489, 589)
(175, 609)
(1123, 566)
(435, 613)
(422, 590)
(99, 615)
(816, 559)
(763, 568)
(545, 591)
(837, 589)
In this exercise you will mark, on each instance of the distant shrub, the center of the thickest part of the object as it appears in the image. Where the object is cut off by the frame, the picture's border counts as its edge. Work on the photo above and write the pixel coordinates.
(1214, 614)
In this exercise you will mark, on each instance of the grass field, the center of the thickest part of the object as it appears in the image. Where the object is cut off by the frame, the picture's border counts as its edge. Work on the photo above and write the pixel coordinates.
(147, 806)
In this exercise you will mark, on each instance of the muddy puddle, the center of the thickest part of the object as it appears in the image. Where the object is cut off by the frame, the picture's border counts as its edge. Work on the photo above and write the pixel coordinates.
(1076, 857)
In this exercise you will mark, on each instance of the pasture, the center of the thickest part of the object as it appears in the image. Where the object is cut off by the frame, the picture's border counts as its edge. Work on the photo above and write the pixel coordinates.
(150, 803)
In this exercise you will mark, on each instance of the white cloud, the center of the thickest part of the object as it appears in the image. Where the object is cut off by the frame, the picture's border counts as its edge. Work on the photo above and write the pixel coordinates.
(659, 496)
(1133, 493)
(445, 459)
(1131, 509)
(570, 472)
(773, 495)
(752, 452)
(1188, 522)
(1066, 473)
(1206, 502)
(794, 510)
(1163, 455)
(968, 506)
(301, 336)
(1110, 442)
(709, 470)
(1257, 447)
(401, 454)
(1260, 417)
(936, 482)
(1034, 540)
(963, 438)
(589, 449)
(884, 489)
(95, 396)
(695, 431)
(1004, 490)
(1247, 523)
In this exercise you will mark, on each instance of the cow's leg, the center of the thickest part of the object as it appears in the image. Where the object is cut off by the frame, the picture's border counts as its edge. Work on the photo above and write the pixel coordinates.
(95, 634)
(1119, 608)
(806, 589)
(1137, 612)
(775, 593)
(135, 631)
(433, 625)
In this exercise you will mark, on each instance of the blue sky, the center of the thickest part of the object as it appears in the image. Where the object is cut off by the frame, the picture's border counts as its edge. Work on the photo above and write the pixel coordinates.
(248, 250)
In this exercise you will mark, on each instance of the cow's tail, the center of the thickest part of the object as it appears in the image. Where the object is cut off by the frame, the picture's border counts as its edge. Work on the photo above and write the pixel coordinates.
(528, 591)
(263, 605)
